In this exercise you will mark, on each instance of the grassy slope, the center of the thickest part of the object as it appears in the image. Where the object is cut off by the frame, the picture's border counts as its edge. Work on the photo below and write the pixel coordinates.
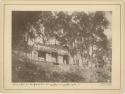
(23, 70)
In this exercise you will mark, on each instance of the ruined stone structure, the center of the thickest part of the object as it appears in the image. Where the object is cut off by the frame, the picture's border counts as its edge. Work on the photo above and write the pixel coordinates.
(55, 54)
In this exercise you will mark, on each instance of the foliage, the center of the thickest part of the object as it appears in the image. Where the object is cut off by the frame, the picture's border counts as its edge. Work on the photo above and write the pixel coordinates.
(79, 32)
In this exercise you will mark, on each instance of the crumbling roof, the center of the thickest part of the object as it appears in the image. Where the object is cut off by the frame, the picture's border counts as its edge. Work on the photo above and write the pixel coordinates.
(52, 48)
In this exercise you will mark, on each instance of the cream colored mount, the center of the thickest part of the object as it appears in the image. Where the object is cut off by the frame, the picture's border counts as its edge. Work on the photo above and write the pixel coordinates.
(6, 6)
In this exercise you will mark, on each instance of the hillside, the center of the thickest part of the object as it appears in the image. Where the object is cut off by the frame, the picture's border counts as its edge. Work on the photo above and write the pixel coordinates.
(23, 70)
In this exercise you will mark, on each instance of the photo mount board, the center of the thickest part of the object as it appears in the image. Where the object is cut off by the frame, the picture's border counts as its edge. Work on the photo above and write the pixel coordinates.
(117, 8)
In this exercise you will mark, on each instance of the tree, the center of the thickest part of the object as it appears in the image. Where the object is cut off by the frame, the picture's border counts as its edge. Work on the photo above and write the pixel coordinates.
(78, 32)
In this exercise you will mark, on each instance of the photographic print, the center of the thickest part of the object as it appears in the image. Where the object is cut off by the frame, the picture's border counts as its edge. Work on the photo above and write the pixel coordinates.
(62, 46)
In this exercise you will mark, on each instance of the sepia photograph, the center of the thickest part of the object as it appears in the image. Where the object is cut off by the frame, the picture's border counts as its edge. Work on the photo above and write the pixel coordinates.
(62, 46)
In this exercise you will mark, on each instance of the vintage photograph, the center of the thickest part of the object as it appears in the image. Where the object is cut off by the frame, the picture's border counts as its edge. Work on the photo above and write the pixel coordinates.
(62, 46)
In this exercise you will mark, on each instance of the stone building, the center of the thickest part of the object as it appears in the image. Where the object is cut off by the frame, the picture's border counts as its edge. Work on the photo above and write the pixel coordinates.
(51, 53)
(55, 54)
